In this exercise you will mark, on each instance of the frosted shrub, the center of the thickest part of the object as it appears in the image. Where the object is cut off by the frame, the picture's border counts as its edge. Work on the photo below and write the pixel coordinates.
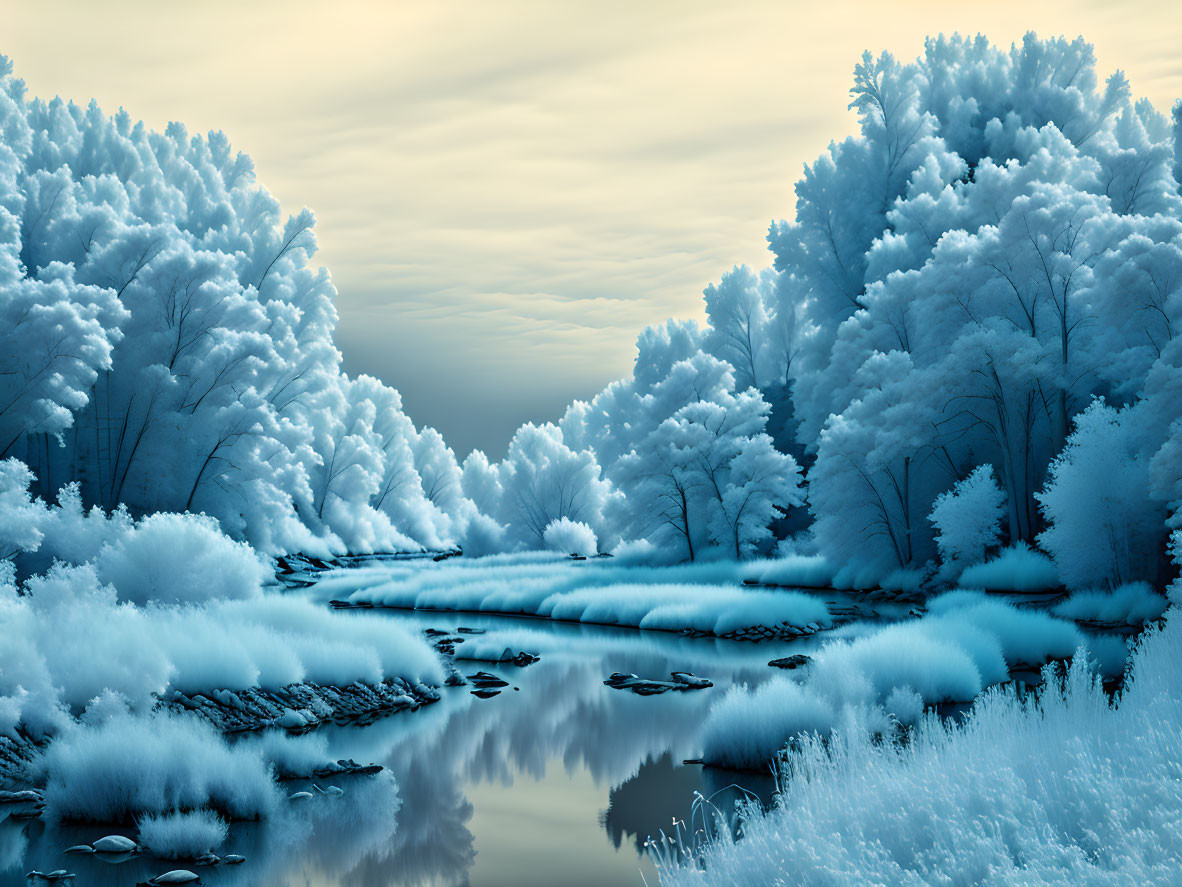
(1133, 604)
(69, 640)
(75, 536)
(21, 516)
(182, 835)
(1017, 568)
(1062, 789)
(967, 643)
(571, 537)
(746, 729)
(1104, 528)
(904, 705)
(291, 757)
(792, 570)
(484, 536)
(131, 766)
(967, 519)
(180, 558)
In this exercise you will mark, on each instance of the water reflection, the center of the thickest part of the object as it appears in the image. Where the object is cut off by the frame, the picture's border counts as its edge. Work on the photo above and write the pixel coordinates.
(558, 779)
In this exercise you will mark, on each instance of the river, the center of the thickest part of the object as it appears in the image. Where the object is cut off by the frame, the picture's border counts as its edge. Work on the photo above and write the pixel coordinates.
(558, 779)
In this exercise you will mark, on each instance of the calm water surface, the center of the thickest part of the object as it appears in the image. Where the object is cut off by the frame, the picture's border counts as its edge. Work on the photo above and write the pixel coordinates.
(557, 780)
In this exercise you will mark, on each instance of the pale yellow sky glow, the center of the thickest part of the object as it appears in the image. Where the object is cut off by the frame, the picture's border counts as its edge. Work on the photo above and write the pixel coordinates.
(507, 192)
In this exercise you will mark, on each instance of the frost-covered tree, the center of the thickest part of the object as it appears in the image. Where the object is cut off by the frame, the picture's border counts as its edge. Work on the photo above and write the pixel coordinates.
(997, 247)
(1104, 527)
(166, 343)
(540, 481)
(968, 519)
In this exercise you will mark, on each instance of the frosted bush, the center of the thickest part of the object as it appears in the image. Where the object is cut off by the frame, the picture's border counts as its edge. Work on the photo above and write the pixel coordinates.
(75, 536)
(130, 766)
(182, 835)
(1104, 527)
(904, 705)
(68, 642)
(746, 729)
(967, 519)
(21, 516)
(291, 757)
(909, 581)
(1133, 603)
(793, 570)
(571, 537)
(1063, 789)
(897, 655)
(1018, 568)
(967, 643)
(180, 558)
(484, 536)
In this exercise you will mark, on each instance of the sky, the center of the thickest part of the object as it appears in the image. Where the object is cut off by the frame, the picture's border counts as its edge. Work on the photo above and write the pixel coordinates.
(508, 191)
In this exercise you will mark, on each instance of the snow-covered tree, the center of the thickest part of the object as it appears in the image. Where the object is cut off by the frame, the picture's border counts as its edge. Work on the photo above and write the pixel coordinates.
(166, 343)
(1104, 527)
(967, 519)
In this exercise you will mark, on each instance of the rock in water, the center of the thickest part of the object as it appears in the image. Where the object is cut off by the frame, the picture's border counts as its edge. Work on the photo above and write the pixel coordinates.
(114, 844)
(486, 681)
(791, 661)
(645, 687)
(176, 876)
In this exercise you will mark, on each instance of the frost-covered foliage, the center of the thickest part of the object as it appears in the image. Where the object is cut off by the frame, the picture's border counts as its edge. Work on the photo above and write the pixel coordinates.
(572, 537)
(1132, 604)
(805, 571)
(998, 245)
(967, 644)
(21, 515)
(166, 343)
(1017, 568)
(1104, 528)
(678, 455)
(179, 558)
(185, 835)
(967, 519)
(128, 767)
(541, 481)
(1050, 790)
(705, 597)
(73, 647)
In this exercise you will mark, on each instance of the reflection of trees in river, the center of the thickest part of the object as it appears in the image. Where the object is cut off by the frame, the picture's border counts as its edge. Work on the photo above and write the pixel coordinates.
(563, 713)
(661, 789)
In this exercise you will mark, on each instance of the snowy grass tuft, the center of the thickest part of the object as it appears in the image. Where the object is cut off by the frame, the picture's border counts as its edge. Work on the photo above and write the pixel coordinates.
(128, 767)
(746, 729)
(704, 597)
(182, 835)
(1018, 568)
(177, 559)
(1133, 604)
(793, 571)
(1062, 789)
(70, 641)
(968, 643)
